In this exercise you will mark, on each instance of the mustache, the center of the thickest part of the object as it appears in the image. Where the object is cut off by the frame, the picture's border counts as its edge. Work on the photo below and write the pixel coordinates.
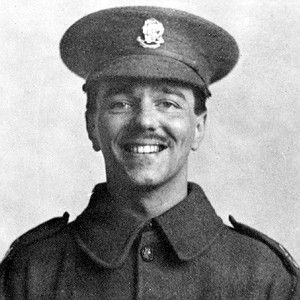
(146, 136)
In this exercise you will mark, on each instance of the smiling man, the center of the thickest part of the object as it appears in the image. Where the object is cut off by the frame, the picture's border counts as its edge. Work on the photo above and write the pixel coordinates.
(147, 232)
(145, 129)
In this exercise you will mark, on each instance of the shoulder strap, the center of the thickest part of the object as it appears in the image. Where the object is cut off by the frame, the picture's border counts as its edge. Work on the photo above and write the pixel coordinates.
(286, 258)
(42, 231)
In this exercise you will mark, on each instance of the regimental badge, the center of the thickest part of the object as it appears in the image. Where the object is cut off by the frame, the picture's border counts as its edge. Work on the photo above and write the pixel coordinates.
(152, 31)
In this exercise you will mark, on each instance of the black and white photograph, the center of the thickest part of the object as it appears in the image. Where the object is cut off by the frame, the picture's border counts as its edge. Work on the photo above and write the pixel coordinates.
(150, 149)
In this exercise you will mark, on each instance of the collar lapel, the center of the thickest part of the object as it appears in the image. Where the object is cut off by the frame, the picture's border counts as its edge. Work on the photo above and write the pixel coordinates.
(105, 233)
(192, 225)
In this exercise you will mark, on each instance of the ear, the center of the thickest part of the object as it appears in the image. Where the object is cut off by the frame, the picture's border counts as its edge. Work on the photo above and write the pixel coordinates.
(199, 130)
(91, 127)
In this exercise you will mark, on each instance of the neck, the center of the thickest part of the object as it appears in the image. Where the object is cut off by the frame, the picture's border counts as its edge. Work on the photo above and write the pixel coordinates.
(148, 201)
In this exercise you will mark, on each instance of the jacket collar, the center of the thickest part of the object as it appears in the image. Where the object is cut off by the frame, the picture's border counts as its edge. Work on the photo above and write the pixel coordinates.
(192, 225)
(107, 234)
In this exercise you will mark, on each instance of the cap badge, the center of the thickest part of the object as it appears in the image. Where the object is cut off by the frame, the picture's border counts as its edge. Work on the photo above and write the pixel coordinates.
(152, 31)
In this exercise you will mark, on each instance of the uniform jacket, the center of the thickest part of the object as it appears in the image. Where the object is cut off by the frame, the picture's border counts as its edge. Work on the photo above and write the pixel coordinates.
(185, 253)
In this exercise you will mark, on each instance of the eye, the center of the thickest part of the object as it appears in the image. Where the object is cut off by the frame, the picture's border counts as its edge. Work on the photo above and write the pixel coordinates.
(119, 106)
(167, 104)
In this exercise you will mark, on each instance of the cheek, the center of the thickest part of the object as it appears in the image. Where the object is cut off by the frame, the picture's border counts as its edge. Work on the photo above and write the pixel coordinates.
(109, 127)
(182, 129)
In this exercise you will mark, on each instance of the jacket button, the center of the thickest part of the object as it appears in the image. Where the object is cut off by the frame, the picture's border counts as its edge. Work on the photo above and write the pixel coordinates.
(148, 226)
(147, 254)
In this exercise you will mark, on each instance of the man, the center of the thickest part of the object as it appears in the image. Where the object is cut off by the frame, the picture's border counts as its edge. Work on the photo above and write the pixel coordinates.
(147, 232)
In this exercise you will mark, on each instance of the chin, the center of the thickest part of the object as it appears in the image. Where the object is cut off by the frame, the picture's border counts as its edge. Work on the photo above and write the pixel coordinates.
(146, 180)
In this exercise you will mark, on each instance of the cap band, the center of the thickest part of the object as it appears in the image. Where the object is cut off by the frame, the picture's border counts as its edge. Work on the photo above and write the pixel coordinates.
(193, 64)
(109, 68)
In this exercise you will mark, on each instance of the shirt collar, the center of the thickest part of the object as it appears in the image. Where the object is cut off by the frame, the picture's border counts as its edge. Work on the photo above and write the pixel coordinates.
(107, 234)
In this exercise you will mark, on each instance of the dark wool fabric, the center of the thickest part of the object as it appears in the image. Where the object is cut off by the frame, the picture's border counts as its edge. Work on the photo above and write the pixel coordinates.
(104, 44)
(186, 253)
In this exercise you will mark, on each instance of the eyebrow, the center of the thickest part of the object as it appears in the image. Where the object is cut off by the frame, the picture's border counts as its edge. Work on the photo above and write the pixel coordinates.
(118, 89)
(172, 90)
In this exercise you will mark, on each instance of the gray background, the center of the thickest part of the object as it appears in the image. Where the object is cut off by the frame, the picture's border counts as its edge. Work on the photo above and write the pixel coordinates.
(248, 164)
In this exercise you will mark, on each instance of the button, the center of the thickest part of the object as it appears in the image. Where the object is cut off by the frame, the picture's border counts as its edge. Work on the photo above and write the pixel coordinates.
(148, 226)
(147, 254)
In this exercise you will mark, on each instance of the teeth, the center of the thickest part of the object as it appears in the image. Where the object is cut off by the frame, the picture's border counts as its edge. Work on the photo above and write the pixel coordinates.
(144, 149)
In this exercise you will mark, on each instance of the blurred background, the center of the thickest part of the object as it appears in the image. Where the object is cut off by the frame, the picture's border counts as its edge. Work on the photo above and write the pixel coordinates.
(248, 164)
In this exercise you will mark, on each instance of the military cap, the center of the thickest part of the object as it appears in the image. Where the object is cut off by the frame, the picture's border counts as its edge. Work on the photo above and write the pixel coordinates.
(148, 42)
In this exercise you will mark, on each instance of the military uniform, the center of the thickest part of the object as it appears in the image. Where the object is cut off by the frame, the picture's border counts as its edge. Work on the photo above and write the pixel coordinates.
(185, 253)
(111, 253)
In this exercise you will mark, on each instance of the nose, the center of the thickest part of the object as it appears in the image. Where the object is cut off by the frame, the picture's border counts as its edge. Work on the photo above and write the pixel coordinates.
(147, 117)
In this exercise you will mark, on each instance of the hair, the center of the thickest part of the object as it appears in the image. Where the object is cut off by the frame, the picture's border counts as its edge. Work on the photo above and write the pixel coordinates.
(201, 94)
(201, 97)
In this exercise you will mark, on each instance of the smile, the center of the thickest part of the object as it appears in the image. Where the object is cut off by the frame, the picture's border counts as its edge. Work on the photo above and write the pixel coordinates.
(144, 149)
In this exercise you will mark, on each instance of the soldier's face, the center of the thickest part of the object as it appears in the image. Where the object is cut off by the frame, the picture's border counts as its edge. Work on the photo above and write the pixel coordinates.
(146, 130)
